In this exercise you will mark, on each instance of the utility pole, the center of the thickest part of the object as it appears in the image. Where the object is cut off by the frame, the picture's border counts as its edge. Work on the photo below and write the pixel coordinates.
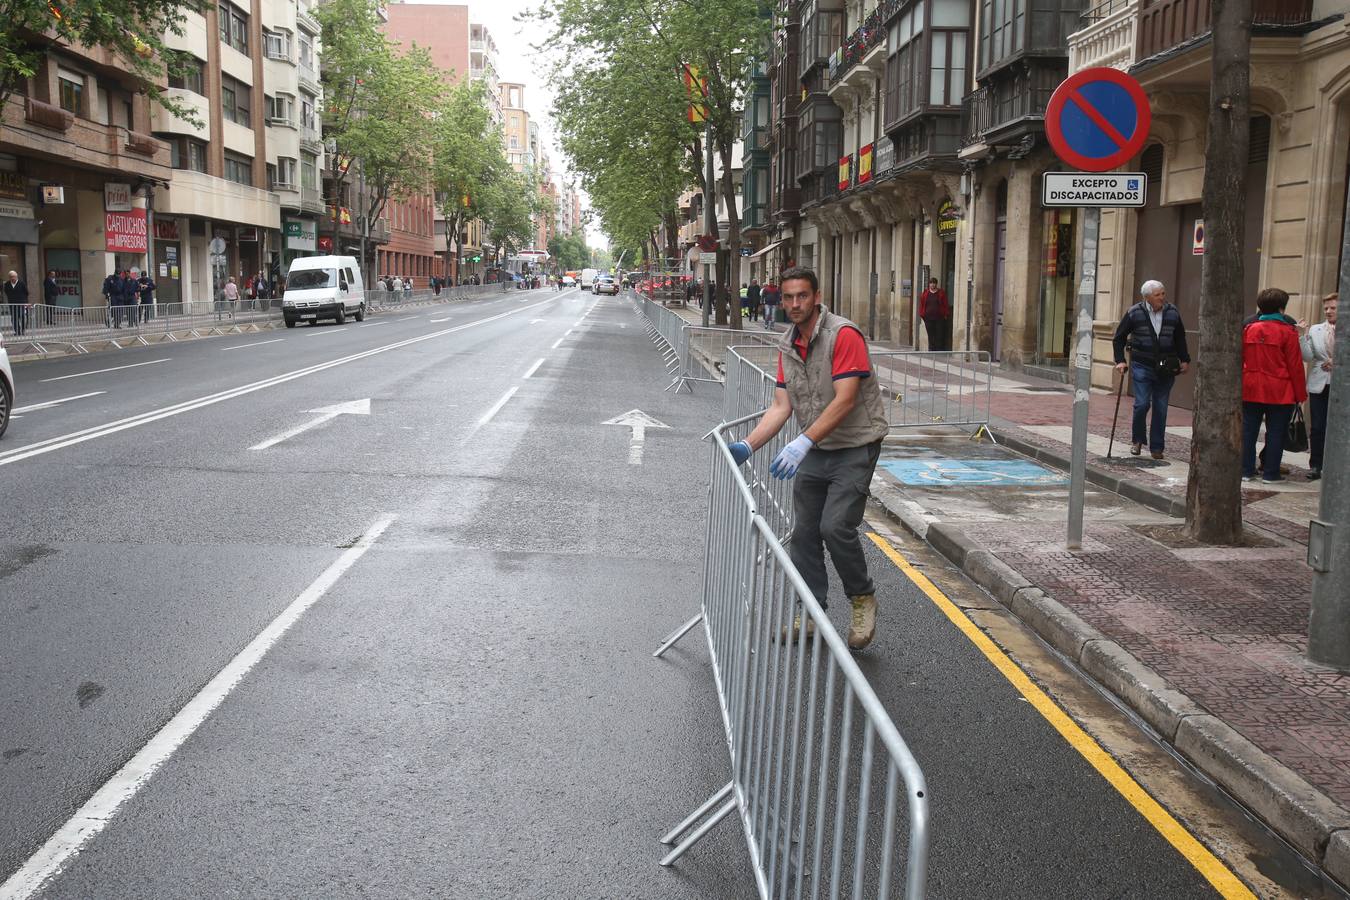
(1329, 533)
(1082, 366)
(709, 216)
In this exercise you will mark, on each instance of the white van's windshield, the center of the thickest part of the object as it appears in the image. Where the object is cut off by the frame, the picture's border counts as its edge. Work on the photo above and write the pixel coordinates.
(304, 279)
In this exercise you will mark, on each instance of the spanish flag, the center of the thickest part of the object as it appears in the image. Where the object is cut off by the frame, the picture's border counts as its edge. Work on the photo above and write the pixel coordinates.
(696, 89)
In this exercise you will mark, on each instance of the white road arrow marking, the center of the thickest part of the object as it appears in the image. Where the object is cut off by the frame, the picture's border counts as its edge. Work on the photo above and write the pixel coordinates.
(50, 403)
(639, 421)
(354, 407)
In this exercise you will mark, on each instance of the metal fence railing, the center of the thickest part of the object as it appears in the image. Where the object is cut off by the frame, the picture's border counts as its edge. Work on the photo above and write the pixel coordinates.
(817, 765)
(943, 387)
(694, 353)
(41, 328)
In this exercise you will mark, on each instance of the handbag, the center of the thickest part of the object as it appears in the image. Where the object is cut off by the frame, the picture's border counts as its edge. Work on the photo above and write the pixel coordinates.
(1296, 441)
(1169, 365)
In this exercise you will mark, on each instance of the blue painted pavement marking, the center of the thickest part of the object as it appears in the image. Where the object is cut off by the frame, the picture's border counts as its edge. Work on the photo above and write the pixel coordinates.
(1020, 472)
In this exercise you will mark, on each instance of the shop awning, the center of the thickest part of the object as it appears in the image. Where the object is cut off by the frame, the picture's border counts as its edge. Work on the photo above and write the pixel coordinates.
(765, 250)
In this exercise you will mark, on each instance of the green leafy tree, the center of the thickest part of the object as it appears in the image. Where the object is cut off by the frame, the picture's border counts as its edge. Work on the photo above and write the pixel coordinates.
(132, 31)
(468, 163)
(570, 252)
(379, 101)
(509, 207)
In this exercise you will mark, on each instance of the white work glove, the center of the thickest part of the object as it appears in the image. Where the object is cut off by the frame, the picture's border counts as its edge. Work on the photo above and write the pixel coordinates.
(785, 464)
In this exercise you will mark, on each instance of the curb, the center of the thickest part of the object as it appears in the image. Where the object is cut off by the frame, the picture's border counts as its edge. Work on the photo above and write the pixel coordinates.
(1312, 822)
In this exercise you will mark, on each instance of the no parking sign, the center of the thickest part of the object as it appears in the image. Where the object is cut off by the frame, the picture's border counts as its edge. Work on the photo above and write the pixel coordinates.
(1097, 119)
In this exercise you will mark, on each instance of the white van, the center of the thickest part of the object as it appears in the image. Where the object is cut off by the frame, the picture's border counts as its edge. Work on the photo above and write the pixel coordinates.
(588, 278)
(324, 287)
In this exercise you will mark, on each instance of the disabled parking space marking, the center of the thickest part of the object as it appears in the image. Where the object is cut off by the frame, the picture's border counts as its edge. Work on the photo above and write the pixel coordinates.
(966, 472)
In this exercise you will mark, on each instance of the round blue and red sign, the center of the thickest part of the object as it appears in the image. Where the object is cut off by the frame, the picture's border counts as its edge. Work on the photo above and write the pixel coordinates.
(1097, 119)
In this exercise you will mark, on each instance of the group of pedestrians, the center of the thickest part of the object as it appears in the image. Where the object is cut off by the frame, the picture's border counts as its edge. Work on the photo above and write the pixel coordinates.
(129, 296)
(1285, 363)
(393, 283)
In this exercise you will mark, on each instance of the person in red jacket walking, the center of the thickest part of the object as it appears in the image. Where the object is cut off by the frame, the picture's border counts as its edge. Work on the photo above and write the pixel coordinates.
(1272, 383)
(936, 314)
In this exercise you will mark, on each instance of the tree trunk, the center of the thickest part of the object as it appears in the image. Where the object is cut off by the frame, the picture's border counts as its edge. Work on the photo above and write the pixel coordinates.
(1214, 491)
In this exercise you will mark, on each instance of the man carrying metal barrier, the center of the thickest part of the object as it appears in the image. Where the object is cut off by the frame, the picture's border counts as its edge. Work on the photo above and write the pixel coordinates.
(825, 380)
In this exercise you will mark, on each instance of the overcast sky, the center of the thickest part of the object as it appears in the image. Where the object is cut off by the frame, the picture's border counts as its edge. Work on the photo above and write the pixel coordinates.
(517, 62)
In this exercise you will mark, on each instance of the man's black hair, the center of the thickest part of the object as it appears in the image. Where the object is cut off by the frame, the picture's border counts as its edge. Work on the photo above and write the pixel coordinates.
(801, 272)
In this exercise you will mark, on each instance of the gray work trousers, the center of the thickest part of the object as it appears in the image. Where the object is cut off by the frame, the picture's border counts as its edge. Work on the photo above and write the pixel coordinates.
(828, 499)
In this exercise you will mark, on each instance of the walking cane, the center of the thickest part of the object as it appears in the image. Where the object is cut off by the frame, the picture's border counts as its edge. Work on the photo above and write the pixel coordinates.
(1120, 391)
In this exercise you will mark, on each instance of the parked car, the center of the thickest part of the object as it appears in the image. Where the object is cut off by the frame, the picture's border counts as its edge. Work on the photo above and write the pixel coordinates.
(606, 284)
(324, 287)
(6, 387)
(569, 281)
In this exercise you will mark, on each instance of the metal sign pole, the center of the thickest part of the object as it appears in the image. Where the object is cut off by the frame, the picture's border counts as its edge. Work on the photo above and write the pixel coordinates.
(1329, 534)
(1082, 365)
(709, 218)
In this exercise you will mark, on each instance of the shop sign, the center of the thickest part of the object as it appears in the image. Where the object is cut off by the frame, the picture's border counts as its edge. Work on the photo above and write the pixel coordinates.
(116, 197)
(11, 210)
(125, 232)
(300, 235)
(13, 185)
(66, 264)
(885, 156)
(53, 195)
(845, 172)
(865, 164)
(325, 244)
(948, 219)
(166, 229)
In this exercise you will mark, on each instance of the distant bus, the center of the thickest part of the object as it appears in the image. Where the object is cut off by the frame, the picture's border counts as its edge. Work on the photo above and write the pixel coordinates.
(527, 262)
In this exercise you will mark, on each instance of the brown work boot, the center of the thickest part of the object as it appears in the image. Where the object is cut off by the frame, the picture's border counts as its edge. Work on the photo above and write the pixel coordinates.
(863, 627)
(790, 635)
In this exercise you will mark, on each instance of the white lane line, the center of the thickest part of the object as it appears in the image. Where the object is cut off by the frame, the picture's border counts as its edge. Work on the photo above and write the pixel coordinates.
(557, 342)
(322, 331)
(88, 434)
(372, 324)
(50, 403)
(447, 318)
(99, 810)
(496, 408)
(113, 369)
(406, 318)
(258, 344)
(534, 368)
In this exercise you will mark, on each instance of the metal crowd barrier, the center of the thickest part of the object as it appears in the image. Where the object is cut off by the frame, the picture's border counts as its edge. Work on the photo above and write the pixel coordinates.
(943, 387)
(73, 328)
(694, 353)
(817, 765)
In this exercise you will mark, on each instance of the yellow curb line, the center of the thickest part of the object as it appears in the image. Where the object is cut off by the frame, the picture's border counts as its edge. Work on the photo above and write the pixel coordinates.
(1205, 862)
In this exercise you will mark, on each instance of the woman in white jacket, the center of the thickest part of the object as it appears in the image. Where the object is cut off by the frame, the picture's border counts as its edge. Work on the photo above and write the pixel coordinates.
(1318, 344)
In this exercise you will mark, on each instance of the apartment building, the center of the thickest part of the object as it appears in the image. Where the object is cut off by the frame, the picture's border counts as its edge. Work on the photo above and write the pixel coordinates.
(515, 125)
(80, 174)
(460, 49)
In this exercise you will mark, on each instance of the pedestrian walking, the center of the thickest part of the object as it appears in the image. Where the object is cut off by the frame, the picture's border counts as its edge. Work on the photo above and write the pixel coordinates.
(1273, 383)
(231, 295)
(128, 297)
(16, 296)
(112, 289)
(825, 381)
(753, 294)
(936, 314)
(770, 298)
(1158, 354)
(51, 297)
(146, 290)
(1318, 345)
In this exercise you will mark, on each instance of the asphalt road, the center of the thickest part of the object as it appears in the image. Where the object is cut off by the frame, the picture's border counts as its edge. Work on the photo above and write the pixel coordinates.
(469, 707)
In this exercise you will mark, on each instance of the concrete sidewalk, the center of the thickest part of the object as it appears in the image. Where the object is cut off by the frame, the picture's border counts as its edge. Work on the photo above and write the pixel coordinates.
(1206, 644)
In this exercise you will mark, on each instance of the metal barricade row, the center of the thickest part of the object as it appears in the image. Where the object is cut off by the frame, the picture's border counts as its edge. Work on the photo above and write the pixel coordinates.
(817, 765)
(943, 387)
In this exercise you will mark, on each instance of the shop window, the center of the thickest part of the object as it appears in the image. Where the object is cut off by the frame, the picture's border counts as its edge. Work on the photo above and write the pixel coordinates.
(238, 169)
(236, 100)
(71, 86)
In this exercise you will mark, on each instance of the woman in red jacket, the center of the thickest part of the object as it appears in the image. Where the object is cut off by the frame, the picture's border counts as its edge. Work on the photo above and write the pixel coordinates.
(1272, 383)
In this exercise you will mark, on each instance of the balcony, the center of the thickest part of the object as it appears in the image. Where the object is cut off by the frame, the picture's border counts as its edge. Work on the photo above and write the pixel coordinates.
(862, 54)
(1168, 24)
(1007, 109)
(305, 19)
(309, 78)
(311, 140)
(311, 201)
(1107, 36)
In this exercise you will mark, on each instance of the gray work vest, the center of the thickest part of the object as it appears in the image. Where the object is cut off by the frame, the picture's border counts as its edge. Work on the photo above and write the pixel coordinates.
(810, 387)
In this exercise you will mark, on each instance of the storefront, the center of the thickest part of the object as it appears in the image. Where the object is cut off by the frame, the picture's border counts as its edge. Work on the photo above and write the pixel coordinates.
(301, 237)
(168, 272)
(1057, 290)
(18, 228)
